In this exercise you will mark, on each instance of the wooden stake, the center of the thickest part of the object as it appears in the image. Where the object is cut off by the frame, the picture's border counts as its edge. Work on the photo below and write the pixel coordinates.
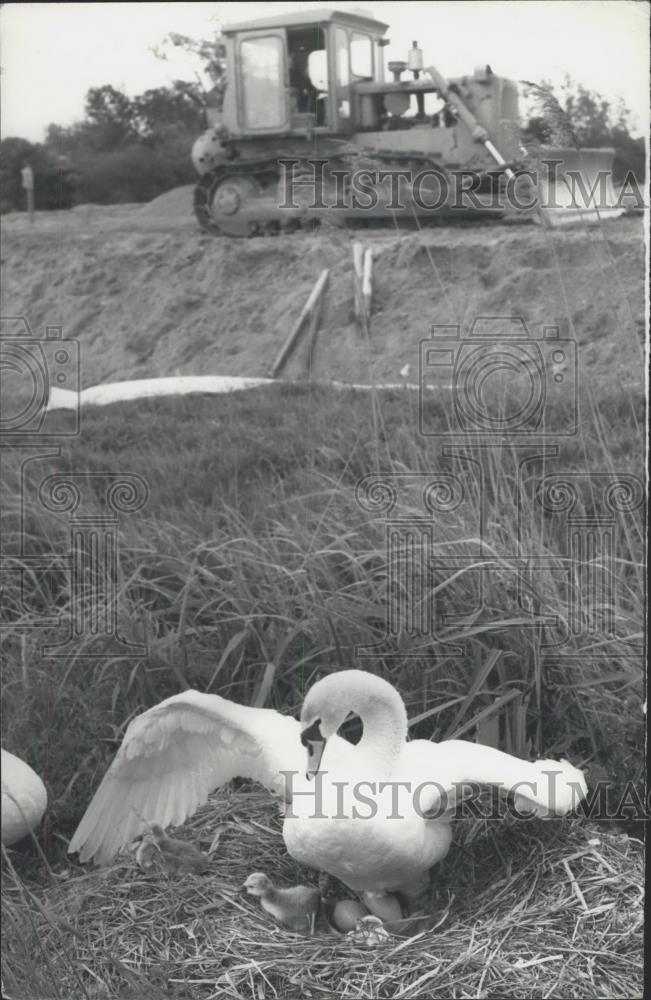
(358, 277)
(27, 180)
(297, 329)
(367, 282)
(315, 322)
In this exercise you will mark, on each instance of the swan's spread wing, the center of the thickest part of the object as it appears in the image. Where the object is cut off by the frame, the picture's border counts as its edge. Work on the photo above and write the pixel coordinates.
(173, 756)
(545, 787)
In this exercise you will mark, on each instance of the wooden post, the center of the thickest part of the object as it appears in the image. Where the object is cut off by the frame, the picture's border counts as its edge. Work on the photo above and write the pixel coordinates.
(315, 321)
(358, 269)
(367, 283)
(27, 176)
(296, 330)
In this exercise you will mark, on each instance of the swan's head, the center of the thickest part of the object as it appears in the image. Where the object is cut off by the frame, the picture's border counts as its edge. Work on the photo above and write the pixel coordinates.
(257, 884)
(334, 698)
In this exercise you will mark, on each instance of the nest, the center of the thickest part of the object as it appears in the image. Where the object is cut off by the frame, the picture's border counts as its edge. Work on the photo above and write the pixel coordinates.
(532, 909)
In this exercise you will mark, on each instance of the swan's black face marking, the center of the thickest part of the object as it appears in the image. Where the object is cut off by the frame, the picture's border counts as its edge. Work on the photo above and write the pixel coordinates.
(312, 734)
(314, 741)
(351, 729)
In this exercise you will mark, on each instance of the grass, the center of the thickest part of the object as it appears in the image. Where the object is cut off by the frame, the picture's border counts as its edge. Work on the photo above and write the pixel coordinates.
(253, 549)
(553, 912)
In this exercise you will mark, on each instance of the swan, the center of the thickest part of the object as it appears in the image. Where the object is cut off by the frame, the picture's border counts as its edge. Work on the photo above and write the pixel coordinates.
(369, 932)
(296, 908)
(24, 798)
(373, 815)
(176, 856)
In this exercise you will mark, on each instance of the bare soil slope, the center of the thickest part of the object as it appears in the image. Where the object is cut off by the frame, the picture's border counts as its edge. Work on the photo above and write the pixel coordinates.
(148, 294)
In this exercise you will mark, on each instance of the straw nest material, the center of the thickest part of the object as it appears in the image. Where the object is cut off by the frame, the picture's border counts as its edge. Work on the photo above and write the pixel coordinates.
(536, 909)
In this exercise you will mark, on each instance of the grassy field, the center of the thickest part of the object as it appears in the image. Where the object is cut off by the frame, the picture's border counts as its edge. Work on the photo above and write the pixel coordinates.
(254, 549)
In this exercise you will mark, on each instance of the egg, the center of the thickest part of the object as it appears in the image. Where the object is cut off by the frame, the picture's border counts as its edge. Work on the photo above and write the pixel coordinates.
(383, 905)
(346, 914)
(23, 798)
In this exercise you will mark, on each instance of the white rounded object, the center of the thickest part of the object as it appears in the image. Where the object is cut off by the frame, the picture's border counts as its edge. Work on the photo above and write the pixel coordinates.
(207, 152)
(346, 914)
(23, 798)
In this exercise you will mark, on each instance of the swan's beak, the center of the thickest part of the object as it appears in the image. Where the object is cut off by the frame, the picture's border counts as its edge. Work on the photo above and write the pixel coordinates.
(315, 750)
(314, 742)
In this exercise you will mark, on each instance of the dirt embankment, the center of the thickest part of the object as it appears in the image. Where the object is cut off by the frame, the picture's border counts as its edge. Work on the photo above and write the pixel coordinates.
(147, 294)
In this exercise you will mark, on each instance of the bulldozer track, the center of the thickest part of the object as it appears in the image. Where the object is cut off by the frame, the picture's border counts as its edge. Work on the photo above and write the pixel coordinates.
(205, 189)
(264, 172)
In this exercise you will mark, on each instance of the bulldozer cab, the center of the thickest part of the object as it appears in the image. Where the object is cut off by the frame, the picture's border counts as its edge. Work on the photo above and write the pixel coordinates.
(293, 73)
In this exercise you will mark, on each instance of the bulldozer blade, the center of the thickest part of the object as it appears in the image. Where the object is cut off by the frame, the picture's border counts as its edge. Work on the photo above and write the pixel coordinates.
(576, 186)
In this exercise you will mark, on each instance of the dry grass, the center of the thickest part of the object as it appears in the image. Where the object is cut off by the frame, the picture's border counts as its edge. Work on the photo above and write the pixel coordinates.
(539, 909)
(253, 550)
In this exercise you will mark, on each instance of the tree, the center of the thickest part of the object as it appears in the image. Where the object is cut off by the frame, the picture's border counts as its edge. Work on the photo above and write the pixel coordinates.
(572, 115)
(111, 118)
(158, 109)
(131, 149)
(208, 62)
(110, 123)
(135, 173)
(115, 121)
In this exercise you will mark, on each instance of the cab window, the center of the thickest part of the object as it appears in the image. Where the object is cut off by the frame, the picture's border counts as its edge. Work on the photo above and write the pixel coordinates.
(307, 59)
(361, 56)
(342, 65)
(261, 61)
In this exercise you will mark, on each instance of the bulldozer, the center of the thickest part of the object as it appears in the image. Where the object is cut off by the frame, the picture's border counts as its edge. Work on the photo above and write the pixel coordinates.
(310, 128)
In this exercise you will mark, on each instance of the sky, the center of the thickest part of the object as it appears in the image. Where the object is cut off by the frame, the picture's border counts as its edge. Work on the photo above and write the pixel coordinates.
(51, 53)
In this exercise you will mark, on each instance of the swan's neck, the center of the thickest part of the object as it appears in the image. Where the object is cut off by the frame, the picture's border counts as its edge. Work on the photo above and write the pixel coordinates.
(385, 732)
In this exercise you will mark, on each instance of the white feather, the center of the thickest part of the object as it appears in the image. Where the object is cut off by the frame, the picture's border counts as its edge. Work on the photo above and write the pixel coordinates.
(174, 755)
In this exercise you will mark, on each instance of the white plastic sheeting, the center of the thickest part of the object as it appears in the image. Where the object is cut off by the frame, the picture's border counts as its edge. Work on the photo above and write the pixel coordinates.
(179, 385)
(145, 388)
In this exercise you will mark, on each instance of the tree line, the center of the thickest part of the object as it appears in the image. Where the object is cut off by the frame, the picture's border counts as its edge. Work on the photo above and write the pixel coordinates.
(125, 149)
(131, 149)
